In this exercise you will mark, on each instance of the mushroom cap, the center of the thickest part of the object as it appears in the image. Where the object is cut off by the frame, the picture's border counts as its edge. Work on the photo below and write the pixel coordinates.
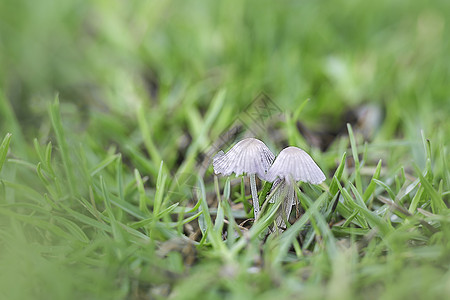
(296, 163)
(250, 156)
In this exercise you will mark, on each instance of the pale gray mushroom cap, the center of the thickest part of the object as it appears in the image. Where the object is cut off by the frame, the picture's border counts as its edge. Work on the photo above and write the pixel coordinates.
(296, 163)
(250, 156)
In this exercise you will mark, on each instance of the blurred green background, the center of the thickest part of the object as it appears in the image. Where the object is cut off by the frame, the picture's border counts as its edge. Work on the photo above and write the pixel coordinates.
(140, 78)
(108, 57)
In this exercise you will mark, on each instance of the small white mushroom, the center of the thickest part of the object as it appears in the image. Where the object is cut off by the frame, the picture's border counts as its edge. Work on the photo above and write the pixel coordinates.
(292, 165)
(249, 156)
(296, 163)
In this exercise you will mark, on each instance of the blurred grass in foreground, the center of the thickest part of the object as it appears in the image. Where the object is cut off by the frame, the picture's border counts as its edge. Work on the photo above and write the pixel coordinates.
(88, 211)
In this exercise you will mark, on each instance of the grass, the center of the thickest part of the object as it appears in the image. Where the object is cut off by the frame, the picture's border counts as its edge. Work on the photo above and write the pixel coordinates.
(107, 192)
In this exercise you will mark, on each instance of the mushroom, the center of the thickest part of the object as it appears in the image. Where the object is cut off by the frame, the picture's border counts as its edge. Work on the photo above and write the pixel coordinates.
(292, 165)
(249, 156)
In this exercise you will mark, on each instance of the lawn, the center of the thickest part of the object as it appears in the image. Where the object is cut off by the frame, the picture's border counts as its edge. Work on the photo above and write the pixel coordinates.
(111, 113)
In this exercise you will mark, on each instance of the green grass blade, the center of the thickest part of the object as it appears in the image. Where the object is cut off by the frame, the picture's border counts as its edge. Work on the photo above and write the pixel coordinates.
(437, 203)
(334, 188)
(112, 219)
(48, 158)
(358, 182)
(215, 237)
(371, 187)
(160, 183)
(386, 187)
(4, 146)
(220, 216)
(104, 164)
(143, 199)
(55, 118)
(119, 177)
(265, 190)
(73, 229)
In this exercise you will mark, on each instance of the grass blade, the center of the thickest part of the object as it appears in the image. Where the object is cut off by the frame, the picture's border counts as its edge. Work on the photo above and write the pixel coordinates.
(64, 149)
(4, 146)
(334, 188)
(371, 187)
(351, 136)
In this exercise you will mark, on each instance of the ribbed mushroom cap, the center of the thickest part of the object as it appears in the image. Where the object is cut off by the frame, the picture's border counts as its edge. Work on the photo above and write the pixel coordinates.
(250, 156)
(295, 162)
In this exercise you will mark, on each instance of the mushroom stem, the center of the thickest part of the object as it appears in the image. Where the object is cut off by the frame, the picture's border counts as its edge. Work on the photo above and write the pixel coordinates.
(286, 206)
(290, 201)
(254, 195)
